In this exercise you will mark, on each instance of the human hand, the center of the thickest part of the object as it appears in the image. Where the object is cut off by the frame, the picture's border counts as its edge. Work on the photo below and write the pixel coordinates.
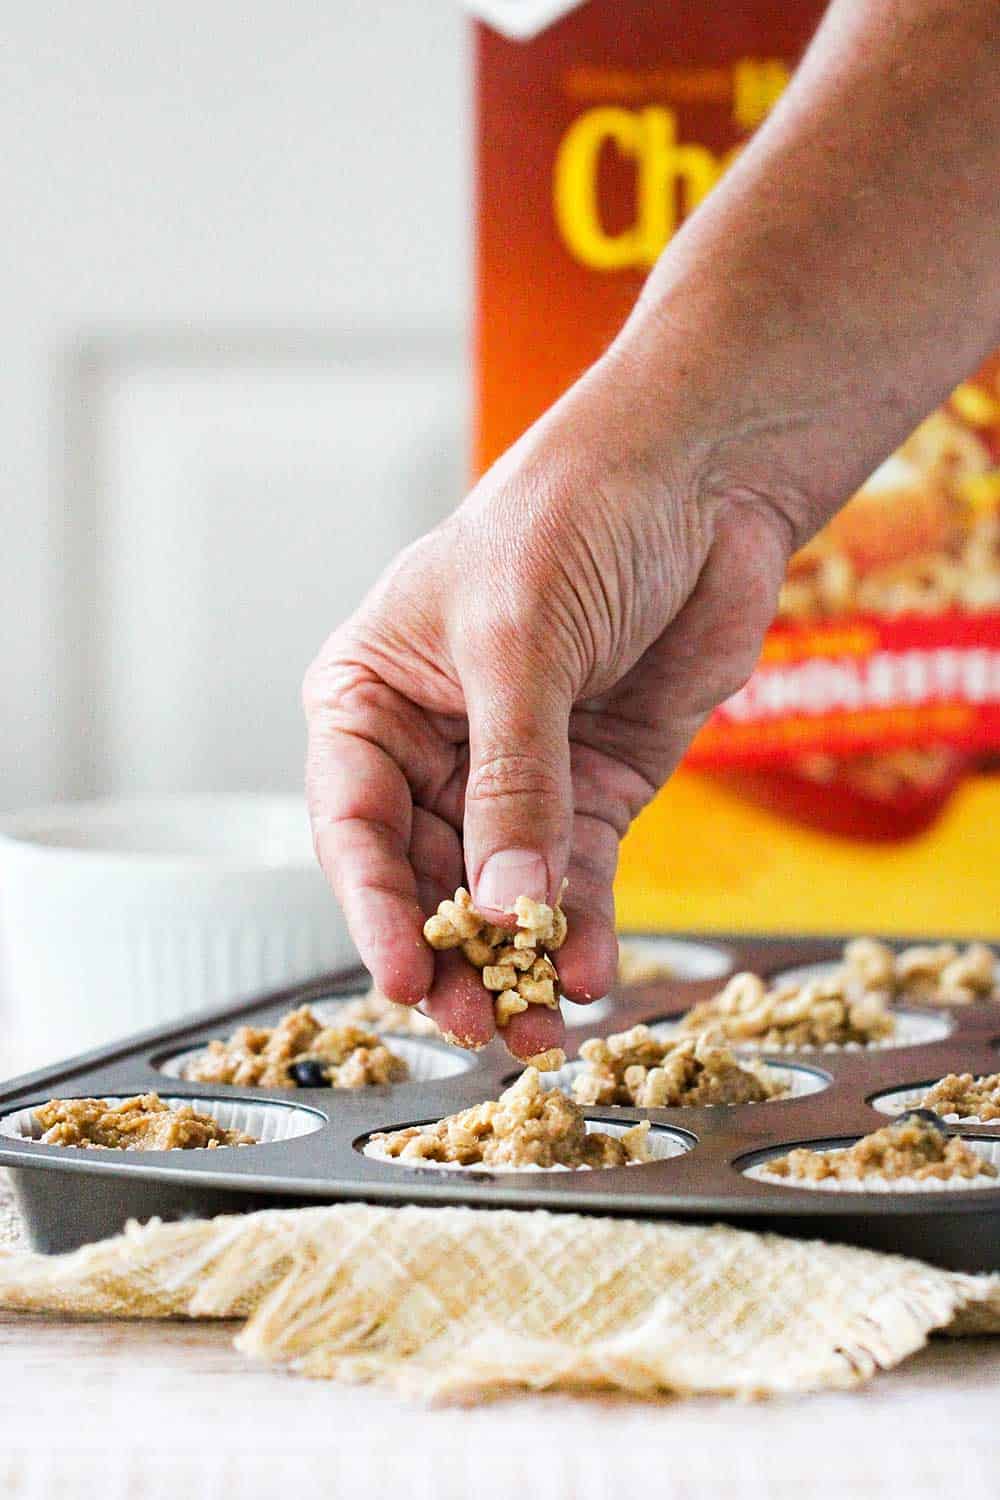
(521, 681)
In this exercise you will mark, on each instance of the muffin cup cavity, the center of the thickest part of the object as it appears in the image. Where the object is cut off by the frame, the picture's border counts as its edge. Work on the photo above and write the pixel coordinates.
(914, 1028)
(898, 1101)
(268, 1123)
(798, 1082)
(988, 1150)
(663, 1144)
(427, 1060)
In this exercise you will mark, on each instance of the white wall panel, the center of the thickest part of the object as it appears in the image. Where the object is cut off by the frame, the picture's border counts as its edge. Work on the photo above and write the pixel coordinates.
(242, 505)
(291, 164)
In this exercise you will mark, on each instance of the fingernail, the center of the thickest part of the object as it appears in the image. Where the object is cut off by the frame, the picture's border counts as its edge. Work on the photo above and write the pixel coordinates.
(509, 874)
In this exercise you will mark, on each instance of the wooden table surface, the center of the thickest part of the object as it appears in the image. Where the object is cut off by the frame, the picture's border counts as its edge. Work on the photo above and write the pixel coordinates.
(170, 1411)
(144, 1411)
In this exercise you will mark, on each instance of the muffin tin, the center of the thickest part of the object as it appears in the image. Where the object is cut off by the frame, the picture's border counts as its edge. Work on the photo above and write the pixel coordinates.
(70, 1197)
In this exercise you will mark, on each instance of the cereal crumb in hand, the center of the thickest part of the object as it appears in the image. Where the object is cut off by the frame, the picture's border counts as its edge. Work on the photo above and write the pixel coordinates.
(515, 967)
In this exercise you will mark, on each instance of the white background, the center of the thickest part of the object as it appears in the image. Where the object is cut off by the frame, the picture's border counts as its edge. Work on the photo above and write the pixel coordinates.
(231, 187)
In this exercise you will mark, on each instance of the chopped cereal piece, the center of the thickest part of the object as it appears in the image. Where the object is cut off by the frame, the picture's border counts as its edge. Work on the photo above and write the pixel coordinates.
(440, 932)
(478, 951)
(144, 1123)
(963, 1095)
(924, 962)
(514, 966)
(872, 963)
(528, 1126)
(508, 1003)
(549, 1061)
(500, 977)
(521, 958)
(910, 1148)
(533, 916)
(968, 976)
(557, 930)
(341, 1056)
(636, 1067)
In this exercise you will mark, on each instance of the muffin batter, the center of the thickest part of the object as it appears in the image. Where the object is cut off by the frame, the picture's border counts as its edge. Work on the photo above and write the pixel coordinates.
(144, 1123)
(636, 1067)
(935, 973)
(963, 1095)
(818, 1013)
(300, 1051)
(911, 1148)
(528, 1126)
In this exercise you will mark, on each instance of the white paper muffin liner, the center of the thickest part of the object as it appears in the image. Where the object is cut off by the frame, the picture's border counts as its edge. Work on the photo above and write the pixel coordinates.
(267, 1123)
(797, 1081)
(805, 973)
(900, 1100)
(913, 1029)
(426, 1060)
(662, 1143)
(988, 1150)
(330, 1010)
(574, 1014)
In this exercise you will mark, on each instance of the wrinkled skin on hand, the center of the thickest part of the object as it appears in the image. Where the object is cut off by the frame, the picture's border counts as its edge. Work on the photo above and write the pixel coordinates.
(525, 678)
(521, 681)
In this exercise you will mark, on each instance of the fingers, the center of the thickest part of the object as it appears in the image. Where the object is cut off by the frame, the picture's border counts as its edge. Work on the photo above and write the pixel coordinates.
(458, 1002)
(588, 960)
(360, 808)
(463, 1010)
(533, 1031)
(436, 858)
(518, 797)
(362, 818)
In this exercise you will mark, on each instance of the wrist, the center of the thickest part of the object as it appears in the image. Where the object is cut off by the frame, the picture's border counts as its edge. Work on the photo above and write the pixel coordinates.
(707, 441)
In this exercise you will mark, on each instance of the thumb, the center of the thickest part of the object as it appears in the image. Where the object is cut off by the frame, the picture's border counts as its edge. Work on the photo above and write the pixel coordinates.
(519, 795)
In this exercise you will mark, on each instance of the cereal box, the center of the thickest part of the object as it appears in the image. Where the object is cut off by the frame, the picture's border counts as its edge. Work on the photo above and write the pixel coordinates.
(851, 783)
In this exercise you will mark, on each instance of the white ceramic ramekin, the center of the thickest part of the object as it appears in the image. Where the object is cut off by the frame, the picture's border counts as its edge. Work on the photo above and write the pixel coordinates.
(120, 915)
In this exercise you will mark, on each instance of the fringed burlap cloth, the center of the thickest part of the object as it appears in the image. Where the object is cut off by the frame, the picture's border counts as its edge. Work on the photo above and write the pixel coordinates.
(454, 1303)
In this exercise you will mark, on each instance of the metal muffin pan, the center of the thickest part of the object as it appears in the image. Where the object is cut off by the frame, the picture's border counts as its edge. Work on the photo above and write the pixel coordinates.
(70, 1197)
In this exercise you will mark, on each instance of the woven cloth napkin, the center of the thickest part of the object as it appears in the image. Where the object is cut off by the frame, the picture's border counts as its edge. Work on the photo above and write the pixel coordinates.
(459, 1303)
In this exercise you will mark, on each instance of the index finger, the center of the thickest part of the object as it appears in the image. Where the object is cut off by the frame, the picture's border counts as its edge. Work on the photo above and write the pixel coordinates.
(361, 812)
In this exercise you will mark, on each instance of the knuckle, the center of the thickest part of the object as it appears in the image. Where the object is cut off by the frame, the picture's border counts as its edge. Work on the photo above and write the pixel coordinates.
(360, 699)
(321, 674)
(721, 679)
(336, 689)
(513, 774)
(733, 675)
